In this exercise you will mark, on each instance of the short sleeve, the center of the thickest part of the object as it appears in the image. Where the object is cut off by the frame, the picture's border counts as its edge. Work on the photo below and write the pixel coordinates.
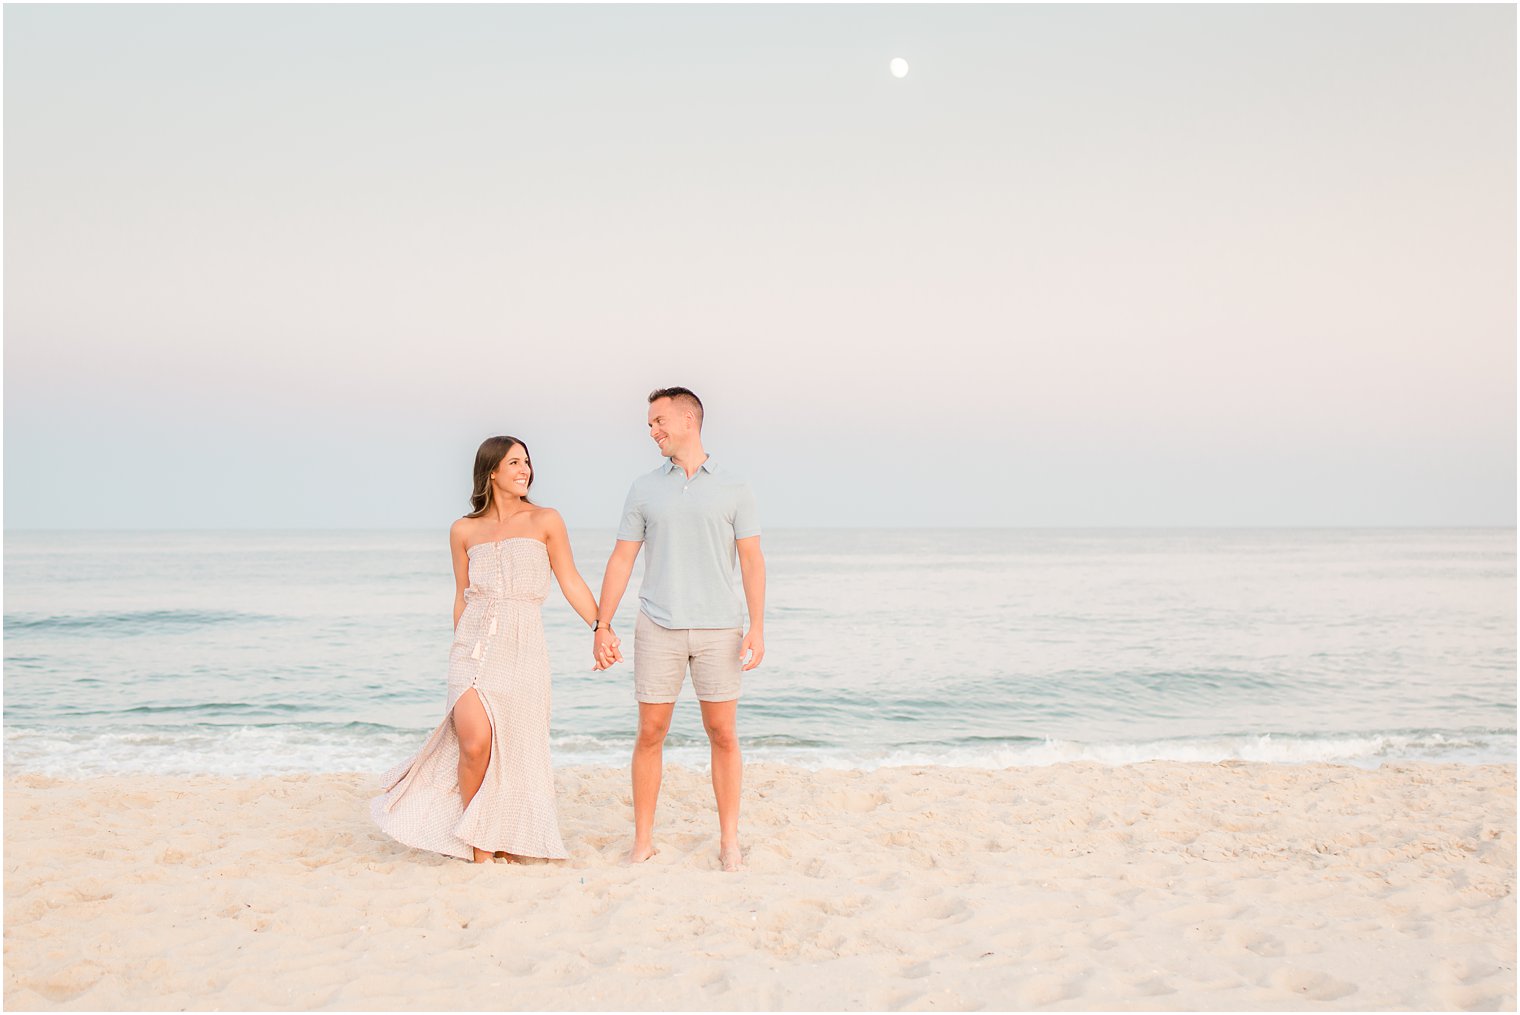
(746, 518)
(632, 526)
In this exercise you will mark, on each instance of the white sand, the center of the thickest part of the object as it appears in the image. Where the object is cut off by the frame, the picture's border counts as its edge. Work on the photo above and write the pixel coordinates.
(1076, 886)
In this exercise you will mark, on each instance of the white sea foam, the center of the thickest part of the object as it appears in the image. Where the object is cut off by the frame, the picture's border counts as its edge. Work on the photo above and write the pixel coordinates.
(282, 750)
(226, 751)
(1367, 751)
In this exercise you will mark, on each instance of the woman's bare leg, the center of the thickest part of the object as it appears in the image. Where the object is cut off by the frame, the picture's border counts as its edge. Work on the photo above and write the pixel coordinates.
(473, 728)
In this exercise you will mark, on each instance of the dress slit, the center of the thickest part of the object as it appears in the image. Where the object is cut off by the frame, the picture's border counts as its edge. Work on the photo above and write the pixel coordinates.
(467, 821)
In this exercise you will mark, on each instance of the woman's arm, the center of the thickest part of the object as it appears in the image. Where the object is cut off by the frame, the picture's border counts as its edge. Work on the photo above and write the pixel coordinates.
(562, 561)
(461, 566)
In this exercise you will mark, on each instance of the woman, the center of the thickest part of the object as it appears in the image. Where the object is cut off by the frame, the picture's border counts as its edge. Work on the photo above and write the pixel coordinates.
(482, 783)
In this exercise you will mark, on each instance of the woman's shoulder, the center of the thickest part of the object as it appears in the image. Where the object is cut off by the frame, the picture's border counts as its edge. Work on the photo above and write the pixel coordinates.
(462, 528)
(546, 524)
(545, 518)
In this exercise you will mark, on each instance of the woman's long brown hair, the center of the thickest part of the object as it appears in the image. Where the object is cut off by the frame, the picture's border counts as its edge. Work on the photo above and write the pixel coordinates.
(492, 451)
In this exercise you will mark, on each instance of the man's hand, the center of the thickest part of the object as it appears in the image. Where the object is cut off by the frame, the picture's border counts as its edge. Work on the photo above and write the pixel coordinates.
(753, 645)
(605, 649)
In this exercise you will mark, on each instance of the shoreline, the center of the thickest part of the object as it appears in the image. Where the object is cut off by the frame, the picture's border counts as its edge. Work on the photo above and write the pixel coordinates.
(1075, 885)
(181, 752)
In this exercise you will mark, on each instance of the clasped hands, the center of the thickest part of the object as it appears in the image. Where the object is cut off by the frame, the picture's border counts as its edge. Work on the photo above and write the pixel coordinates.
(606, 649)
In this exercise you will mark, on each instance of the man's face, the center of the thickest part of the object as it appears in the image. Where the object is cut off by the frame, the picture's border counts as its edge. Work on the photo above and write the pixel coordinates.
(669, 425)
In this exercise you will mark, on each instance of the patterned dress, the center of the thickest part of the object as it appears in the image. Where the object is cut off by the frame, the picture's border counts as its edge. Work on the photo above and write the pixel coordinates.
(498, 651)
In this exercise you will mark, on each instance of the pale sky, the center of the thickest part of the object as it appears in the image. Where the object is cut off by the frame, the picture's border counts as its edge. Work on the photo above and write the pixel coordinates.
(285, 266)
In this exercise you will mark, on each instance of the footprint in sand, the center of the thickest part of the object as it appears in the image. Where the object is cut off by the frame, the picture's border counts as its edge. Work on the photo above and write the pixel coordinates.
(777, 849)
(1152, 986)
(713, 979)
(952, 910)
(28, 912)
(847, 906)
(1466, 972)
(1253, 940)
(817, 868)
(1201, 912)
(861, 803)
(943, 999)
(1310, 983)
(1476, 999)
(414, 915)
(68, 983)
(602, 955)
(883, 882)
(1041, 990)
(515, 965)
(901, 1000)
(90, 891)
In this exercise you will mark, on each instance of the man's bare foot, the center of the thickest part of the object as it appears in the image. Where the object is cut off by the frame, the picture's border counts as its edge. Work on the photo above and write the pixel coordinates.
(638, 854)
(731, 857)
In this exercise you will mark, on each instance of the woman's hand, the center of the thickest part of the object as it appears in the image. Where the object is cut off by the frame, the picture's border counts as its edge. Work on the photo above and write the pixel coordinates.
(605, 648)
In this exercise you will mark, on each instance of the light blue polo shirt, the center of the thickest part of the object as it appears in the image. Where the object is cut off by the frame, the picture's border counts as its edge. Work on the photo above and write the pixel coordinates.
(688, 527)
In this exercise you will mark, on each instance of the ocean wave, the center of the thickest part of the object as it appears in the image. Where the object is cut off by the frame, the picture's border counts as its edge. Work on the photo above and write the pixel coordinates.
(205, 749)
(1360, 749)
(252, 749)
(132, 622)
(233, 711)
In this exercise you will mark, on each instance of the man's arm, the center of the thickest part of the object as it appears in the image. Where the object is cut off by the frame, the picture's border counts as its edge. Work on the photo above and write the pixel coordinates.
(752, 567)
(614, 584)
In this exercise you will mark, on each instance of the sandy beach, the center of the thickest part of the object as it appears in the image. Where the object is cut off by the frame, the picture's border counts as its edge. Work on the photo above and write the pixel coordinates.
(1156, 885)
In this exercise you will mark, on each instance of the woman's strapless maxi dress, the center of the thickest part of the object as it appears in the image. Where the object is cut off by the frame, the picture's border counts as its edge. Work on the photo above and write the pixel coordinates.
(499, 651)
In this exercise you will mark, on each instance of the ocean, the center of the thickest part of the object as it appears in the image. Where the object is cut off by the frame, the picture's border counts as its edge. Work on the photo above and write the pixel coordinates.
(248, 653)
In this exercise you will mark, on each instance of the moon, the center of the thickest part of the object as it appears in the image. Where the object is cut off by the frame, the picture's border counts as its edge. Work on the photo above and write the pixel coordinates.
(899, 67)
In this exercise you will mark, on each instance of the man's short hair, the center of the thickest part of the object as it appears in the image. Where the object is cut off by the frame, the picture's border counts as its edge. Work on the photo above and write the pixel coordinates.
(682, 396)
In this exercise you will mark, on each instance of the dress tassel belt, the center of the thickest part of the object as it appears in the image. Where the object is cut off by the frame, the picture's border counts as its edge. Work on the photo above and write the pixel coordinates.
(490, 633)
(493, 600)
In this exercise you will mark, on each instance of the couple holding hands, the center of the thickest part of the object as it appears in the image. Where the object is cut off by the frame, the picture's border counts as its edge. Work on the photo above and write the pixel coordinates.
(482, 785)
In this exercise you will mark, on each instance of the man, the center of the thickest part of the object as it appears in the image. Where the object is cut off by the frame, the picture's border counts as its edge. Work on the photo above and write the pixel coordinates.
(697, 517)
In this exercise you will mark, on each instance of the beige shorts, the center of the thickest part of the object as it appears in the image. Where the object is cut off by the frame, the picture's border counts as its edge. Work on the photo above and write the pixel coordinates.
(660, 658)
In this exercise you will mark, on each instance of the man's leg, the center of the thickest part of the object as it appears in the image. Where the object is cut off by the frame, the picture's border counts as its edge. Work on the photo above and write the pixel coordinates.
(720, 719)
(648, 763)
(659, 667)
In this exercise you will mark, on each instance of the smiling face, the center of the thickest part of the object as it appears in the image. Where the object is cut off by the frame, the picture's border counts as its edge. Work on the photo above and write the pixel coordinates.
(514, 473)
(671, 425)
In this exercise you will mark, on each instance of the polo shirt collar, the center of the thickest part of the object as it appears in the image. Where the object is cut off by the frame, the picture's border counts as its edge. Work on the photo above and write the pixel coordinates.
(707, 466)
